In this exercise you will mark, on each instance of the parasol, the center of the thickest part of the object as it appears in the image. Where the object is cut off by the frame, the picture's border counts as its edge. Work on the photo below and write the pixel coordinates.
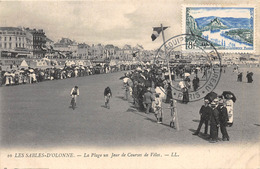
(186, 74)
(138, 69)
(161, 91)
(125, 79)
(31, 70)
(229, 95)
(211, 96)
(121, 78)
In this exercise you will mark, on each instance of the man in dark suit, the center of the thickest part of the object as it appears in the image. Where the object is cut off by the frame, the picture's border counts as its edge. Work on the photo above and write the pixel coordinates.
(223, 119)
(148, 99)
(195, 83)
(204, 117)
(214, 121)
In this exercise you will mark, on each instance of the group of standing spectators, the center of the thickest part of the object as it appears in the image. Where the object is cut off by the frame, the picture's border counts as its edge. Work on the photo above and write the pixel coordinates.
(219, 113)
(19, 76)
(149, 86)
(249, 76)
(35, 75)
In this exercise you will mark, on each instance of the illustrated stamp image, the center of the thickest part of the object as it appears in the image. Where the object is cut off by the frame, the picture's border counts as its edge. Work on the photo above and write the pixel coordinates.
(229, 29)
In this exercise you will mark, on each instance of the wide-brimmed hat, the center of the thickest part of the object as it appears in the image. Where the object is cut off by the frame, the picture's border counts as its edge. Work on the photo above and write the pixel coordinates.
(229, 96)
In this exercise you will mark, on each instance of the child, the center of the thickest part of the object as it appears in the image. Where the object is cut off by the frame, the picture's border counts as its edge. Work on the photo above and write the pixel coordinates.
(158, 108)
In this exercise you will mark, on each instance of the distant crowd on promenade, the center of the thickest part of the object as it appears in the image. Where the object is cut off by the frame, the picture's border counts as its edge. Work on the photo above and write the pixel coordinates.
(18, 76)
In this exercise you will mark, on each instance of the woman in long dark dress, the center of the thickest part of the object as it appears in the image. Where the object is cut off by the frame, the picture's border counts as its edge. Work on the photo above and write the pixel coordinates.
(249, 77)
(169, 93)
(185, 93)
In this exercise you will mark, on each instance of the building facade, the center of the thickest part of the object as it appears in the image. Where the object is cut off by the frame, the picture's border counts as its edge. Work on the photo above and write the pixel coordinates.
(39, 42)
(13, 42)
(83, 51)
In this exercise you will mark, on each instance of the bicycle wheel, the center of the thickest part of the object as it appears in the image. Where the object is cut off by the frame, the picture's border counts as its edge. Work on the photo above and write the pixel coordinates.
(73, 103)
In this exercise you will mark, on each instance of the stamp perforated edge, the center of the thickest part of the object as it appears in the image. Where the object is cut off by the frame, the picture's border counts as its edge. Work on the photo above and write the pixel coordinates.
(221, 51)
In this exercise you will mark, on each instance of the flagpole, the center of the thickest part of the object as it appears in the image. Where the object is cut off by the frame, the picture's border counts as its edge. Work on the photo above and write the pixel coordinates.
(170, 78)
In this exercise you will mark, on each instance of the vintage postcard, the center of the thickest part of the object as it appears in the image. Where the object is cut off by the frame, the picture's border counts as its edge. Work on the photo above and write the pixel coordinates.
(129, 84)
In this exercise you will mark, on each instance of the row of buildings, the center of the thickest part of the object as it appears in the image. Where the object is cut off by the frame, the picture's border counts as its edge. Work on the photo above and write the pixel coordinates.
(17, 42)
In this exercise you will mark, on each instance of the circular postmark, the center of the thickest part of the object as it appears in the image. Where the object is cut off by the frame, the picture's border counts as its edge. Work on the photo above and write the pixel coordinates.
(195, 65)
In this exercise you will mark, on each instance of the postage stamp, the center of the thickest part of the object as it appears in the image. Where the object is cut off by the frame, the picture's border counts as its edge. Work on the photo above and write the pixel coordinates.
(203, 67)
(229, 29)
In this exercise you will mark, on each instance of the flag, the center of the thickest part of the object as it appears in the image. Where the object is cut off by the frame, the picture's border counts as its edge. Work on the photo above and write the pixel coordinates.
(156, 32)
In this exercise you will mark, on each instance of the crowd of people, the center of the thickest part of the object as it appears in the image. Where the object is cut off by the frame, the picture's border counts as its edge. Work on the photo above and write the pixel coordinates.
(18, 76)
(219, 113)
(150, 86)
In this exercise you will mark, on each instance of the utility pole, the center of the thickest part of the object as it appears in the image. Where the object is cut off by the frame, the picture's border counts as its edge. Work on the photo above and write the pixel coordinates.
(170, 78)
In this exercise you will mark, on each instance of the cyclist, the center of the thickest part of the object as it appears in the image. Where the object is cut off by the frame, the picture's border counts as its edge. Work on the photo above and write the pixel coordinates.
(74, 93)
(107, 95)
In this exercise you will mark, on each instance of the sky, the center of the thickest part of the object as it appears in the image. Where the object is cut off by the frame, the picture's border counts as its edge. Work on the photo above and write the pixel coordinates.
(105, 22)
(220, 12)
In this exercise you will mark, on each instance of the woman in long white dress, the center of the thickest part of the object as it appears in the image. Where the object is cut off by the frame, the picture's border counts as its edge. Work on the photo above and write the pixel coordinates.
(230, 108)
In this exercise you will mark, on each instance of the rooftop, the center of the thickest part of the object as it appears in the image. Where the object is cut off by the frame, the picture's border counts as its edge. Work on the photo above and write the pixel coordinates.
(10, 29)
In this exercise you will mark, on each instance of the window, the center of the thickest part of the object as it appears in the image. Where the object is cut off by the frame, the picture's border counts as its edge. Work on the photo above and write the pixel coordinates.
(23, 45)
(19, 44)
(19, 39)
(5, 38)
(5, 45)
(0, 38)
(16, 38)
(10, 45)
(16, 45)
(10, 38)
(0, 45)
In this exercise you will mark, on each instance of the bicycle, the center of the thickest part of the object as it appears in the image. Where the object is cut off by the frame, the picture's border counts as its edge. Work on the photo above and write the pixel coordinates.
(107, 97)
(126, 92)
(73, 103)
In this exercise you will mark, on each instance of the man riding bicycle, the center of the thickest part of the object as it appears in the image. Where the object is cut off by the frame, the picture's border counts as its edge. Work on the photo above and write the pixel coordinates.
(74, 93)
(107, 95)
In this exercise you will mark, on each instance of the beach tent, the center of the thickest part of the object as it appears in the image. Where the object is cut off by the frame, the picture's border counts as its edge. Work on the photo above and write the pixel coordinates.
(24, 64)
(42, 64)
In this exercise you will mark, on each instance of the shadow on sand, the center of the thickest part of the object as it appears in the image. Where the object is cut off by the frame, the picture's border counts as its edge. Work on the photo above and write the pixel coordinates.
(200, 135)
(197, 121)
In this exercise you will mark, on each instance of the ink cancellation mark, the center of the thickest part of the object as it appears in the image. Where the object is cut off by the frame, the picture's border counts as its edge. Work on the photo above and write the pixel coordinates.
(188, 67)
